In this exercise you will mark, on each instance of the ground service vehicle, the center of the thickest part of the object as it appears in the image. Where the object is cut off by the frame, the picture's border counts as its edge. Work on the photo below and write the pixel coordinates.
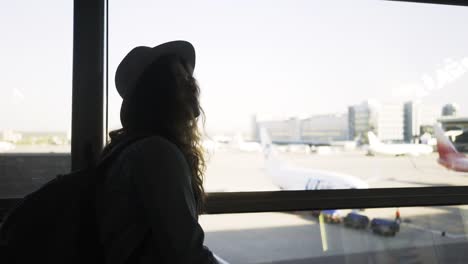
(384, 227)
(332, 216)
(355, 220)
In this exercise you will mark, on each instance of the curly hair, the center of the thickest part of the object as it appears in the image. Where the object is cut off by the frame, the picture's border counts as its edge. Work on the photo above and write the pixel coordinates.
(166, 103)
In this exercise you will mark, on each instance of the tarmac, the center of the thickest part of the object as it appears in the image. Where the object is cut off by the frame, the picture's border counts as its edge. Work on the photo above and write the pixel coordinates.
(427, 234)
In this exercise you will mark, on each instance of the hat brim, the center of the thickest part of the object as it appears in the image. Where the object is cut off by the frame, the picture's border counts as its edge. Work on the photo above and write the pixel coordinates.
(138, 59)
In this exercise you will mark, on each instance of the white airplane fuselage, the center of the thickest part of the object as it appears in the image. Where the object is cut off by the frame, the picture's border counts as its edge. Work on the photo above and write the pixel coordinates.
(292, 178)
(288, 177)
(401, 149)
(378, 147)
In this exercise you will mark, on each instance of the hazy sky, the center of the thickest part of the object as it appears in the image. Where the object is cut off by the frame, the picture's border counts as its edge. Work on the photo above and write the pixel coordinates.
(274, 58)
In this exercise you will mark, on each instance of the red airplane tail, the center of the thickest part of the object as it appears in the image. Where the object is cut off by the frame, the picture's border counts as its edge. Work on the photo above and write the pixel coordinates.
(445, 147)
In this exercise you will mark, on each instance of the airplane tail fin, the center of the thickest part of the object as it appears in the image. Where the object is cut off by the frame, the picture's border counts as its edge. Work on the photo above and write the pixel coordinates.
(271, 156)
(273, 164)
(373, 139)
(444, 146)
(267, 145)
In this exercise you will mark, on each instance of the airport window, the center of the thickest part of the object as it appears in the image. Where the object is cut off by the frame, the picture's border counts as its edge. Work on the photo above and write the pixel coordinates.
(35, 93)
(311, 79)
(343, 136)
(343, 100)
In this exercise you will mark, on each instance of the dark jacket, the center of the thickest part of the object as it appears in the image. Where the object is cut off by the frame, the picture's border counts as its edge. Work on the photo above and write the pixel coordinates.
(146, 208)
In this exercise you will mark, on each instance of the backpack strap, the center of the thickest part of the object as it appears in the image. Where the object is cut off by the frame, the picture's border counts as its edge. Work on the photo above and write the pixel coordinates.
(102, 165)
(118, 148)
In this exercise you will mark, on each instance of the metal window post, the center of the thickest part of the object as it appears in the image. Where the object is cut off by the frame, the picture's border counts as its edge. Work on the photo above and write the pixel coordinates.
(88, 78)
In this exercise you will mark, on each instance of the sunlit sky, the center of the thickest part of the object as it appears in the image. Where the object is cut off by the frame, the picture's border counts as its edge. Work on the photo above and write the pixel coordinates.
(271, 58)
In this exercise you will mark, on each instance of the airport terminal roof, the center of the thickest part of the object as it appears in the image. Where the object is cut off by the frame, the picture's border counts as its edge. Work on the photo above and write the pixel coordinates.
(453, 119)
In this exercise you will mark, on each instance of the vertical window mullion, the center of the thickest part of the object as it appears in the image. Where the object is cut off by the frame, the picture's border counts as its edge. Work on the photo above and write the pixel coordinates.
(88, 80)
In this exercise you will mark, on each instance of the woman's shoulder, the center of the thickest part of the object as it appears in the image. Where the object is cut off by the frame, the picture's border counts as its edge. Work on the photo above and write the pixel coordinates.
(155, 155)
(155, 141)
(153, 147)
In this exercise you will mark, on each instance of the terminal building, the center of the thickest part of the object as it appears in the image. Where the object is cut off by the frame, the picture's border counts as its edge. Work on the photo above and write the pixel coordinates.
(325, 128)
(391, 121)
(418, 117)
(286, 130)
(385, 119)
(450, 109)
(317, 129)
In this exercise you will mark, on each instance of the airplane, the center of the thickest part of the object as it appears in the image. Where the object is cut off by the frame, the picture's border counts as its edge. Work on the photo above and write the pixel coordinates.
(377, 147)
(449, 157)
(287, 177)
(246, 146)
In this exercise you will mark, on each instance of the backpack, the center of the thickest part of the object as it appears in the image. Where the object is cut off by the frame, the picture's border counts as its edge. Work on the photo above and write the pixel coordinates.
(57, 223)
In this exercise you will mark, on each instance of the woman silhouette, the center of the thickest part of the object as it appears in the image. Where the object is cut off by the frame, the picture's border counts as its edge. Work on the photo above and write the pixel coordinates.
(148, 206)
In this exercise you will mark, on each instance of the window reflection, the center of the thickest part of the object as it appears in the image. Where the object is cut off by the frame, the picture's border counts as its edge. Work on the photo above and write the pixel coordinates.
(418, 235)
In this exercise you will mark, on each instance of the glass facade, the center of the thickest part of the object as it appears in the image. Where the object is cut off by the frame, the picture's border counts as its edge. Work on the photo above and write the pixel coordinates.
(293, 68)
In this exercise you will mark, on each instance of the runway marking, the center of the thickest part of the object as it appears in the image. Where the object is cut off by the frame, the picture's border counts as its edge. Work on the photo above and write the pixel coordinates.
(323, 233)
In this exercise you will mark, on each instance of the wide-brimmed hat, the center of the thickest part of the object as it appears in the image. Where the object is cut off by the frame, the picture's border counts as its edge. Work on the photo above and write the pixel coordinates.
(138, 59)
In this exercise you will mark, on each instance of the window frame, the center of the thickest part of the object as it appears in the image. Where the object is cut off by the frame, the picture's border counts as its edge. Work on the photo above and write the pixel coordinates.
(88, 134)
(437, 2)
(88, 82)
